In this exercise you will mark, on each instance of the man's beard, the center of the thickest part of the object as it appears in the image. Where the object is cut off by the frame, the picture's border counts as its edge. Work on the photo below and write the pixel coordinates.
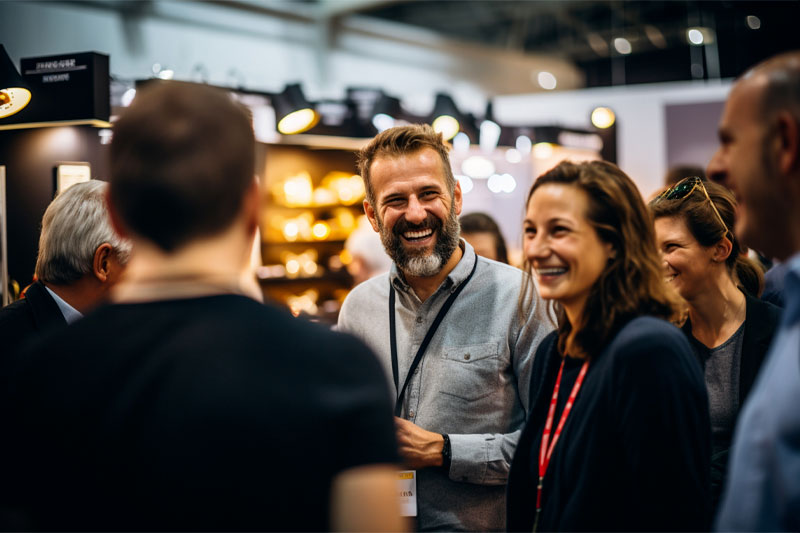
(421, 263)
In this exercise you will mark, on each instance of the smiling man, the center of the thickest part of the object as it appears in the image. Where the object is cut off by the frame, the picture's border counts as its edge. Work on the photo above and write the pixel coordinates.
(446, 326)
(759, 159)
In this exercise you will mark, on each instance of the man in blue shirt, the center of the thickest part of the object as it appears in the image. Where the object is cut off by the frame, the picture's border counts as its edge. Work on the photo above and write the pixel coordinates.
(759, 159)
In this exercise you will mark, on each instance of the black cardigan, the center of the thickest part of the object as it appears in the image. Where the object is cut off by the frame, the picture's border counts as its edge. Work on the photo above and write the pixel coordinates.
(635, 451)
(29, 317)
(761, 322)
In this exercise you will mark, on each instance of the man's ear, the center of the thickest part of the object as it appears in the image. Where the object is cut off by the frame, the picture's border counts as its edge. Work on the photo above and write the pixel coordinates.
(101, 262)
(370, 212)
(116, 221)
(457, 197)
(251, 206)
(788, 133)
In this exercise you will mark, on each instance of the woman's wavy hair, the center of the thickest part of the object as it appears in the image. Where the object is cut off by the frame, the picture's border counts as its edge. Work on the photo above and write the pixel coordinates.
(705, 227)
(632, 284)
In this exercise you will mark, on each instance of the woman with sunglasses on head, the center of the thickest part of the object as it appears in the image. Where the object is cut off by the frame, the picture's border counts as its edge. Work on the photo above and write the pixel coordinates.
(618, 433)
(729, 328)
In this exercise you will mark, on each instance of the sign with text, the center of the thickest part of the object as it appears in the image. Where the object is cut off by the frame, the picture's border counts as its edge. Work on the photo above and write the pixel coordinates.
(72, 87)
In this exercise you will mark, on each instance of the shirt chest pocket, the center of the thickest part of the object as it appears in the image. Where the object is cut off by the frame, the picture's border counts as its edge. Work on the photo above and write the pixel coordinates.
(470, 372)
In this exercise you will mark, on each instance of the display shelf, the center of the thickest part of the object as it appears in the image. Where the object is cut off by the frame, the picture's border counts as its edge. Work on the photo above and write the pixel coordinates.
(304, 168)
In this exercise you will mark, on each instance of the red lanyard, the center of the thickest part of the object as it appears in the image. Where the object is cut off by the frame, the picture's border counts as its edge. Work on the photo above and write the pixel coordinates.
(544, 451)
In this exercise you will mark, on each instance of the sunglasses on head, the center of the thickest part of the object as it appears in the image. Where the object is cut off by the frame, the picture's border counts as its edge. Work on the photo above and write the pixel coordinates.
(683, 189)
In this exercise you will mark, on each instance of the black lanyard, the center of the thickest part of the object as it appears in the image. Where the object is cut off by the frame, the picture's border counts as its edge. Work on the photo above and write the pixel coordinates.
(425, 342)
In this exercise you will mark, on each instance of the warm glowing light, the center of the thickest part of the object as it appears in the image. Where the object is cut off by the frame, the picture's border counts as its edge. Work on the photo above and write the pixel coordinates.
(542, 150)
(346, 257)
(298, 121)
(290, 231)
(603, 117)
(292, 267)
(446, 125)
(321, 230)
(310, 268)
(13, 100)
(298, 190)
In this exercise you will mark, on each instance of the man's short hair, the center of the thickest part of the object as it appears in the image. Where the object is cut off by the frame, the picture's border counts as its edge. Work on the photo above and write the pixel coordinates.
(399, 141)
(782, 91)
(74, 225)
(182, 158)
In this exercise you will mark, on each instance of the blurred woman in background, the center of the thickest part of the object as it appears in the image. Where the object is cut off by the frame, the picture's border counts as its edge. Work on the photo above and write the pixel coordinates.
(618, 432)
(483, 234)
(729, 328)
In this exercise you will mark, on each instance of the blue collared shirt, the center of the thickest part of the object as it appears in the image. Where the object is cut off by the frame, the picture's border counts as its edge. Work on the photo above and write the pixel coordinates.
(763, 488)
(70, 313)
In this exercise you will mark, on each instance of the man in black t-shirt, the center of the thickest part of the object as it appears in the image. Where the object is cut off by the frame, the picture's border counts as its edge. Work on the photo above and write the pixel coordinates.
(186, 405)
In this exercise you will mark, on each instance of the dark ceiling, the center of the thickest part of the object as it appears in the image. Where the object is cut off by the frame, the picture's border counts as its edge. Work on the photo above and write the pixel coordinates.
(584, 33)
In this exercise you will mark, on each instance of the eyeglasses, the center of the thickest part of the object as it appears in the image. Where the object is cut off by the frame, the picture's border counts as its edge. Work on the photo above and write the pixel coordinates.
(683, 189)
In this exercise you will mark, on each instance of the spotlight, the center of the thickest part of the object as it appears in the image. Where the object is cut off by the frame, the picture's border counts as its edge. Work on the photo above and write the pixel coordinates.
(294, 113)
(445, 115)
(489, 131)
(15, 93)
(603, 117)
(385, 112)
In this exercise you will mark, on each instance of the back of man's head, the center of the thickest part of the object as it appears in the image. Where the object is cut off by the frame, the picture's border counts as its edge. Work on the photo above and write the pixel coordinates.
(74, 225)
(182, 159)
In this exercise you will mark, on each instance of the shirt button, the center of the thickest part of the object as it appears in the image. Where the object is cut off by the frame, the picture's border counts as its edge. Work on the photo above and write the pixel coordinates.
(412, 414)
(419, 320)
(467, 356)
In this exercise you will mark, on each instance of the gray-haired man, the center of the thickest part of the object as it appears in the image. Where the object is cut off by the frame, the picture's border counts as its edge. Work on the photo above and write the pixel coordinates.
(80, 258)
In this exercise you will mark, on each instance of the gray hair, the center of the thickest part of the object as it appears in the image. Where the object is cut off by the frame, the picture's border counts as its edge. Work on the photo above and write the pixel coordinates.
(74, 225)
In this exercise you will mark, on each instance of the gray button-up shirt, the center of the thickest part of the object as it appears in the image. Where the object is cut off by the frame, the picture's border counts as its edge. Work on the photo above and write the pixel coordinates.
(472, 382)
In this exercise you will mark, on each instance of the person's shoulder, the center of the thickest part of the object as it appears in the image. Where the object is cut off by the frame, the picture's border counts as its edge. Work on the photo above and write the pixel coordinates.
(15, 313)
(650, 336)
(499, 275)
(762, 311)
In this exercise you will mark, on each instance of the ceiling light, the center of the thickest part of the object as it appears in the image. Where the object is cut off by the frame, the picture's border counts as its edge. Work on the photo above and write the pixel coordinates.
(127, 97)
(753, 22)
(466, 183)
(15, 93)
(699, 35)
(694, 36)
(293, 112)
(461, 142)
(501, 183)
(655, 36)
(513, 156)
(445, 115)
(623, 45)
(598, 44)
(603, 117)
(489, 131)
(385, 112)
(546, 80)
(523, 144)
(477, 167)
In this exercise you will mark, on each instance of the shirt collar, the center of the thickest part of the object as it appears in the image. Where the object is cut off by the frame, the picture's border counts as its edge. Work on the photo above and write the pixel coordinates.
(454, 278)
(70, 313)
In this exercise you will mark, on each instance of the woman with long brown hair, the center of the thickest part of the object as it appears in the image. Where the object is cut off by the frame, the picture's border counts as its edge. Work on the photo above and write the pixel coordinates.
(618, 434)
(729, 328)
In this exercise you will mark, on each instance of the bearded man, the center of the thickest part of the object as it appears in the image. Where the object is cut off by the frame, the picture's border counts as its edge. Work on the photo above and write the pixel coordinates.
(447, 326)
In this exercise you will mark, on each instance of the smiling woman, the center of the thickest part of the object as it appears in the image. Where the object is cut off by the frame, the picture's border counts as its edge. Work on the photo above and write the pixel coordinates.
(619, 415)
(728, 327)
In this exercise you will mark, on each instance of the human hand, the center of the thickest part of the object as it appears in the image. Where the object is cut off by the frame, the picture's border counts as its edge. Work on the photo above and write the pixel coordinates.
(418, 447)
